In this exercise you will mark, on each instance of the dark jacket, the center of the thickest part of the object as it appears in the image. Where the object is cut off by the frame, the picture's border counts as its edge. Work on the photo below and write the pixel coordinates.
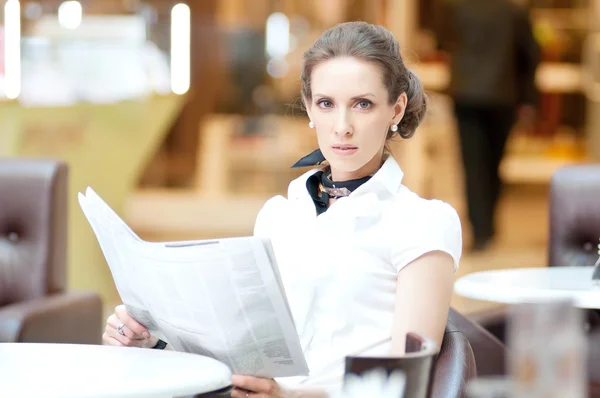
(494, 55)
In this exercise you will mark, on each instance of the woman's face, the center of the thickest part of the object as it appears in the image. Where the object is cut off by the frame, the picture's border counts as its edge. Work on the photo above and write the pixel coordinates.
(352, 115)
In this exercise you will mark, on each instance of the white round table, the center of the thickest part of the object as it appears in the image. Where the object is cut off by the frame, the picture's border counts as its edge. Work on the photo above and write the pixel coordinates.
(88, 371)
(521, 285)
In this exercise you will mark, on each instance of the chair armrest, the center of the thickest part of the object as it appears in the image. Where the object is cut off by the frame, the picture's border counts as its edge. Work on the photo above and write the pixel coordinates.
(493, 320)
(492, 315)
(71, 317)
(454, 366)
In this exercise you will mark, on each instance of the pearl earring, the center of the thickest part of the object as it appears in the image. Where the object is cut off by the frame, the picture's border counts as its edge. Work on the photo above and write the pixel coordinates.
(394, 128)
(311, 124)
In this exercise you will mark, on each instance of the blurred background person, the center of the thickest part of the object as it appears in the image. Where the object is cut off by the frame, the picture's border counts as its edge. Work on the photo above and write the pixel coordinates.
(493, 58)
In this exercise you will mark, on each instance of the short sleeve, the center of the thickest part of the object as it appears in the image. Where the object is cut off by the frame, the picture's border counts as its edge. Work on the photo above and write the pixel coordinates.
(429, 226)
(263, 226)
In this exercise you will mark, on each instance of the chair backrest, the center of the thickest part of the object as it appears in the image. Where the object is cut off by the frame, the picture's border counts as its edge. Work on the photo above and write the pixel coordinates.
(593, 364)
(574, 216)
(489, 352)
(416, 364)
(33, 228)
(454, 366)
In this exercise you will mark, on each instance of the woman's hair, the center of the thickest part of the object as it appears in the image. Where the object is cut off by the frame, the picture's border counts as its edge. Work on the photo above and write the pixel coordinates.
(370, 43)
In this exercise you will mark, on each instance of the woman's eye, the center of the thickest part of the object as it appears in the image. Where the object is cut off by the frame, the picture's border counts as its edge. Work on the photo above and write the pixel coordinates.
(364, 104)
(325, 104)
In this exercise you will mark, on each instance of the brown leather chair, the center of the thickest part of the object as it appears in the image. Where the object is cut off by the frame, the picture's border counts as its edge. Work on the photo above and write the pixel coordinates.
(442, 375)
(489, 352)
(34, 303)
(574, 231)
(416, 364)
(593, 364)
(574, 216)
(575, 221)
(455, 364)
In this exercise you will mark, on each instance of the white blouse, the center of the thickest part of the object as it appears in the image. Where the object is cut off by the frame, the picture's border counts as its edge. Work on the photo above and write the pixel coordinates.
(339, 269)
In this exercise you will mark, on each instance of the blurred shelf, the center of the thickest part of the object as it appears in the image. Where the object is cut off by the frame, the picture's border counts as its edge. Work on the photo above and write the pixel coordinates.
(551, 77)
(531, 169)
(169, 211)
(563, 18)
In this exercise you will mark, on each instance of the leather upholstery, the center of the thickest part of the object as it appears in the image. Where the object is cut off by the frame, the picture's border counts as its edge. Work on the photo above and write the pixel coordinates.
(574, 216)
(575, 221)
(593, 364)
(416, 364)
(574, 231)
(488, 351)
(442, 375)
(454, 366)
(34, 303)
(493, 320)
(33, 216)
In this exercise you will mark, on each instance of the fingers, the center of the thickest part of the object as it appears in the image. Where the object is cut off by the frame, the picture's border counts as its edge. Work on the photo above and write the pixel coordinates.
(241, 393)
(131, 323)
(114, 323)
(133, 333)
(107, 340)
(112, 333)
(255, 384)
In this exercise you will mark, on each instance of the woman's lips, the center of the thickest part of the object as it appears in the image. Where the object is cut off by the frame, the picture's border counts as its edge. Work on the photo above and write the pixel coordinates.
(344, 150)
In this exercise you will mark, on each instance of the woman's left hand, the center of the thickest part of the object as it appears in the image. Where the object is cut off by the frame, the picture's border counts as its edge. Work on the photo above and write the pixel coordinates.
(254, 387)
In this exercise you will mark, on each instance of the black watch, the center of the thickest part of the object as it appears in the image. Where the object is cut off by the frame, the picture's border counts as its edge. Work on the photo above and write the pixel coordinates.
(160, 345)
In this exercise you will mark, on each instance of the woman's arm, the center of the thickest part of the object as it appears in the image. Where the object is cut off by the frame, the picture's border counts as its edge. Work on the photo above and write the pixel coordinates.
(423, 292)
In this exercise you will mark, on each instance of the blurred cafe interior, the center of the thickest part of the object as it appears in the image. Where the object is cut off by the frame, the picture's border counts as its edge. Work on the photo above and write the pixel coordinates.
(184, 116)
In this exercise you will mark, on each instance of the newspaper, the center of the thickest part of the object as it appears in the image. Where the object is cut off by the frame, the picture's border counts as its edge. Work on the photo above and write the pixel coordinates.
(220, 298)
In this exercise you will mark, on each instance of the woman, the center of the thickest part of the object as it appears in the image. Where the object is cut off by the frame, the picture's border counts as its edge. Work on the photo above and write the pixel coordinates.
(363, 260)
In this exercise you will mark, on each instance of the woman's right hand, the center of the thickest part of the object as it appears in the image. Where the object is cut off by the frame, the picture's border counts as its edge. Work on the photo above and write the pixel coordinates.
(134, 334)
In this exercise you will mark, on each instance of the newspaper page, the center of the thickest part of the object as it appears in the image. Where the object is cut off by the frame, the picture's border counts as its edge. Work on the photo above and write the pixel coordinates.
(220, 298)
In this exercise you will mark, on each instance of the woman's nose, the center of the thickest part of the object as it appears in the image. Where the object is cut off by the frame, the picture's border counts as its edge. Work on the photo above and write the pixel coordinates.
(344, 125)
